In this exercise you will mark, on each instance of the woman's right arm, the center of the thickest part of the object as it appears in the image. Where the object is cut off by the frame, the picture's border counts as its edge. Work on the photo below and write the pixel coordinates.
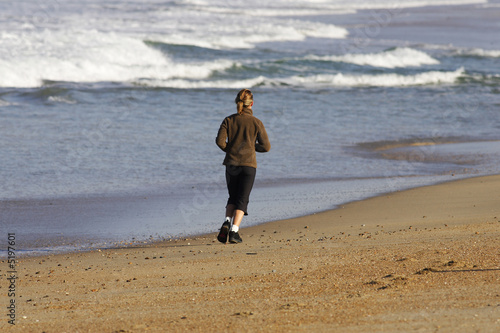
(220, 140)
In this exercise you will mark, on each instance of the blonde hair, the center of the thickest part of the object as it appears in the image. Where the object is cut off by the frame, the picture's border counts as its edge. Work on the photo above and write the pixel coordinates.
(244, 98)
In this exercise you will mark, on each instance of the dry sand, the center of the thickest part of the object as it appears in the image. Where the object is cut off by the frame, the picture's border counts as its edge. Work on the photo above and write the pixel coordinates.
(424, 260)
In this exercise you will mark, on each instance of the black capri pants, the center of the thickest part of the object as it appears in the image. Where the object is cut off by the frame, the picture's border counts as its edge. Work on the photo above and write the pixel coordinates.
(239, 180)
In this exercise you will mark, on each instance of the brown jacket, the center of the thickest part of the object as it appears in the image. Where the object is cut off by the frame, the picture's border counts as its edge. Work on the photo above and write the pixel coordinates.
(245, 135)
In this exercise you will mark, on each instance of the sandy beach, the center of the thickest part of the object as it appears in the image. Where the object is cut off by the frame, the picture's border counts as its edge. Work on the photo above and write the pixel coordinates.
(426, 260)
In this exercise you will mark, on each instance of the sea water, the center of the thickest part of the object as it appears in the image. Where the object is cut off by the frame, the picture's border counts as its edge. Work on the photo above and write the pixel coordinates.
(109, 109)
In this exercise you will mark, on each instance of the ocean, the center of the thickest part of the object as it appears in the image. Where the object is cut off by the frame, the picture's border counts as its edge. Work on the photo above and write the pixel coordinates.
(109, 109)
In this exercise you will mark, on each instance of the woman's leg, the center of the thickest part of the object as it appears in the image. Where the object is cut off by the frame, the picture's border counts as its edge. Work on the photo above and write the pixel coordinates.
(239, 183)
(245, 183)
(238, 217)
(246, 179)
(230, 208)
(235, 214)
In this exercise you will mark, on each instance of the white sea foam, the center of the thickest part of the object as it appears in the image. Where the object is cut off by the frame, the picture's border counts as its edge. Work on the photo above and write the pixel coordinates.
(308, 7)
(104, 42)
(380, 80)
(245, 32)
(479, 53)
(91, 57)
(452, 50)
(193, 84)
(399, 57)
(323, 80)
(103, 46)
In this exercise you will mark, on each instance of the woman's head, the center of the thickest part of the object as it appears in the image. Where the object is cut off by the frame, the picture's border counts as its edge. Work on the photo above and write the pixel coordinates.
(244, 98)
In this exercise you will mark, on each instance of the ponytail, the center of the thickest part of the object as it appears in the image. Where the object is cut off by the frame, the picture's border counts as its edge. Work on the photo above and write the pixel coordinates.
(239, 107)
(244, 98)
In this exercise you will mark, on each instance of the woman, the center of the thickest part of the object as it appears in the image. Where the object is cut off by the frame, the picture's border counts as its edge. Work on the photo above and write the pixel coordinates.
(240, 136)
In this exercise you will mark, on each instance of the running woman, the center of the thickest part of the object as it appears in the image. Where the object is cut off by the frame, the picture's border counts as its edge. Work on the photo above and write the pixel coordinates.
(240, 136)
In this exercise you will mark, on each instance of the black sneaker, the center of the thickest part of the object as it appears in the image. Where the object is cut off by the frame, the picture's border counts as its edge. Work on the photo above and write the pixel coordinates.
(234, 237)
(224, 230)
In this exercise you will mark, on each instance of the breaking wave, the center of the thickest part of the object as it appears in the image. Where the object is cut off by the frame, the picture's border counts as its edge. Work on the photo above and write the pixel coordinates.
(398, 57)
(95, 57)
(480, 53)
(379, 80)
(322, 80)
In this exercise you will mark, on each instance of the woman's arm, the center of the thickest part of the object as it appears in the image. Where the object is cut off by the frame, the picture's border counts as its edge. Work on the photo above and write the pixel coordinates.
(262, 145)
(220, 140)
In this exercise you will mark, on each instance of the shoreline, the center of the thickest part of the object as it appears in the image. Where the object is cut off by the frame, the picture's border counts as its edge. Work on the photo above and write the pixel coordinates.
(424, 258)
(306, 217)
(124, 205)
(99, 214)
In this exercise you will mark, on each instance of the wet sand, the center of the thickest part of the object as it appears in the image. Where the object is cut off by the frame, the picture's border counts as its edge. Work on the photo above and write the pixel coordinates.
(425, 260)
